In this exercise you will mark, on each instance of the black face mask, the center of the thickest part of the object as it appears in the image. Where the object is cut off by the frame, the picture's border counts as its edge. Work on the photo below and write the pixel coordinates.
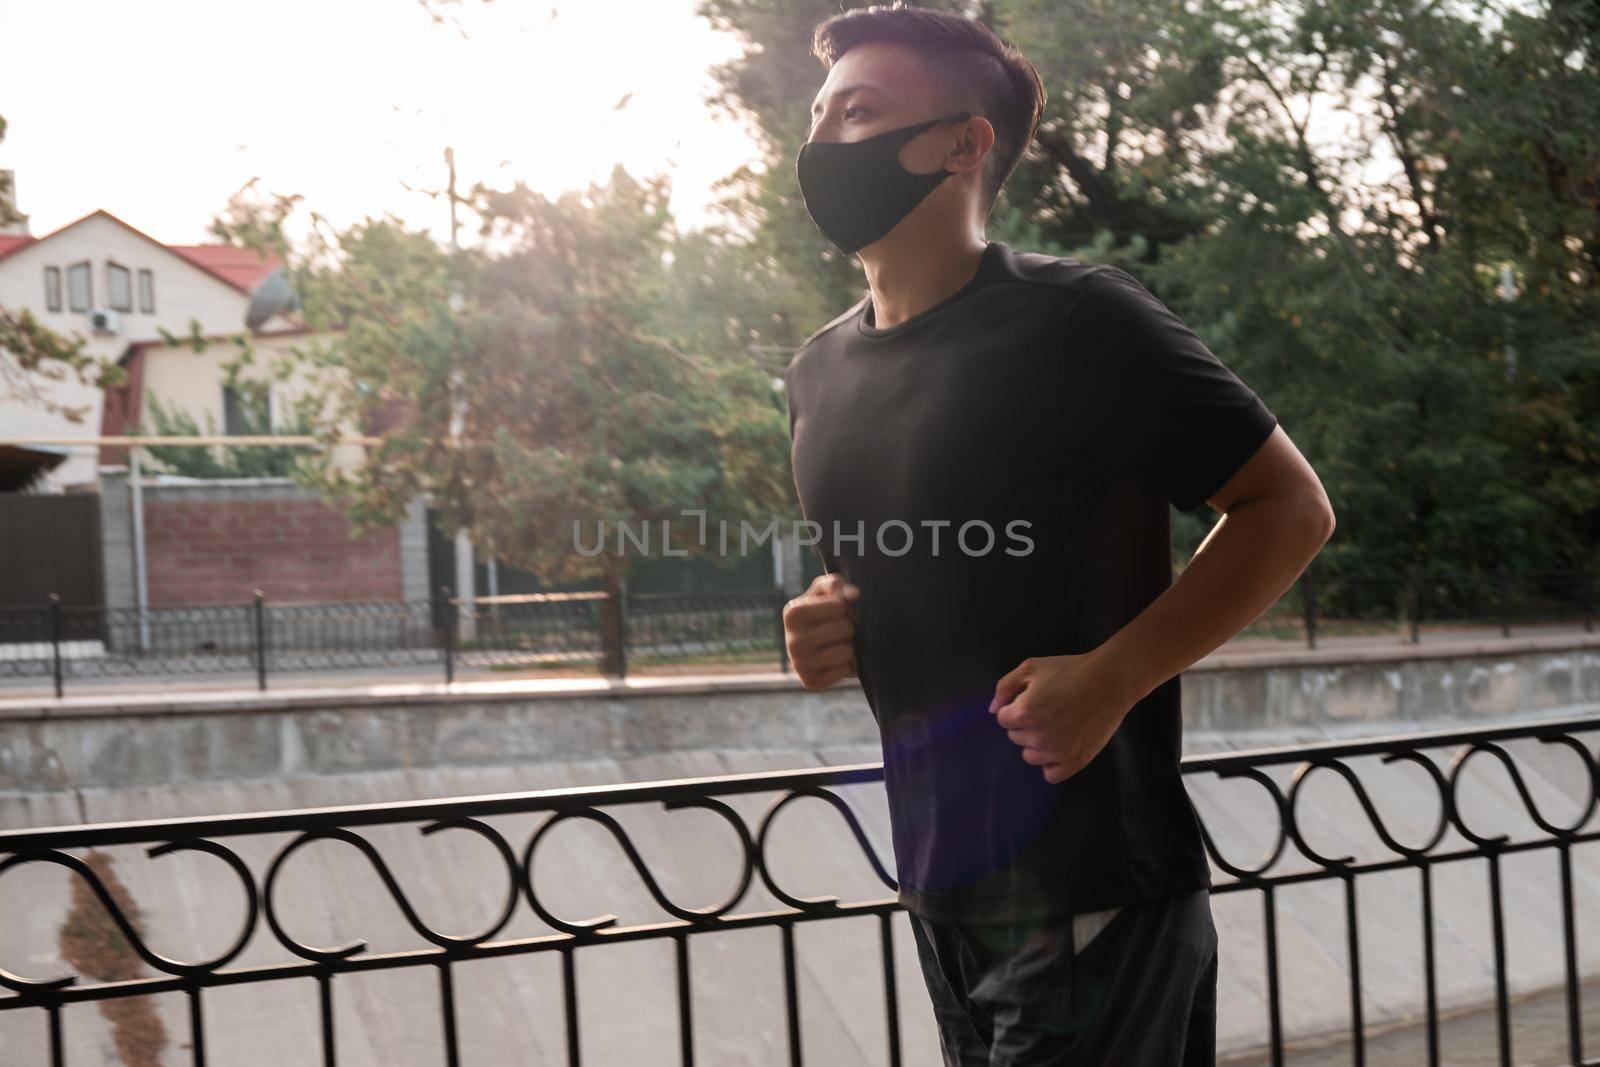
(857, 191)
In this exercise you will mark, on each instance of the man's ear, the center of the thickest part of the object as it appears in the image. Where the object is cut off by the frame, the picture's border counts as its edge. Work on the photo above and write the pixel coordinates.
(973, 148)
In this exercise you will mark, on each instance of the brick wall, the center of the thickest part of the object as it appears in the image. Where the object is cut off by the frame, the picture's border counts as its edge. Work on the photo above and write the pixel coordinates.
(214, 544)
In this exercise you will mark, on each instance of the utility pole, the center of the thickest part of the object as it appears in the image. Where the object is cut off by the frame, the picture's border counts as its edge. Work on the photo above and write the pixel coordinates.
(466, 572)
(141, 578)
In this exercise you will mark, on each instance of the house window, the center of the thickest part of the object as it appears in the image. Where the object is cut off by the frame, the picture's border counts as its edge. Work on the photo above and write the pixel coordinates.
(245, 414)
(147, 291)
(119, 287)
(52, 288)
(79, 292)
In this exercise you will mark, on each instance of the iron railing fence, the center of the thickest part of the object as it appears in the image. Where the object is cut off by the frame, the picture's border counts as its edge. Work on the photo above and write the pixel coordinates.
(263, 637)
(1327, 602)
(256, 637)
(1454, 818)
(657, 627)
(1455, 770)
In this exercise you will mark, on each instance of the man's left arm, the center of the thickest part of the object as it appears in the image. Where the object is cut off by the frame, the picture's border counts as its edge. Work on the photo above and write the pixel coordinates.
(1062, 710)
(1197, 435)
(1275, 519)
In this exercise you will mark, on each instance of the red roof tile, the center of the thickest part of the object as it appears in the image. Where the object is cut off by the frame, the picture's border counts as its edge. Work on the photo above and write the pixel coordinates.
(243, 267)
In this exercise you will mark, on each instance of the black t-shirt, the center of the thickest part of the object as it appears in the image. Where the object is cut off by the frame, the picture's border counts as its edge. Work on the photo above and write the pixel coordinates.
(1007, 457)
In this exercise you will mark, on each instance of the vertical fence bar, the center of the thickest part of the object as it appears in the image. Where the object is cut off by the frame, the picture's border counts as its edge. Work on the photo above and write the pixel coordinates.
(891, 998)
(1586, 597)
(1358, 1033)
(1308, 591)
(1269, 920)
(58, 1054)
(260, 612)
(1430, 965)
(685, 999)
(781, 600)
(622, 628)
(197, 1030)
(447, 1008)
(55, 638)
(1570, 939)
(325, 1003)
(1502, 999)
(448, 618)
(1503, 578)
(791, 993)
(1414, 603)
(569, 989)
(141, 577)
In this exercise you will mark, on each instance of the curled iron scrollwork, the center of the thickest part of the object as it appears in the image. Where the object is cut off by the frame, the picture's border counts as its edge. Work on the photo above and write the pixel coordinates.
(1427, 752)
(338, 833)
(1458, 766)
(598, 922)
(162, 963)
(1303, 773)
(854, 824)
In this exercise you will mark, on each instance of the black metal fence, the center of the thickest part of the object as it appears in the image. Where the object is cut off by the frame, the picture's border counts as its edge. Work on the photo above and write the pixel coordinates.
(1327, 602)
(1450, 834)
(1451, 767)
(263, 638)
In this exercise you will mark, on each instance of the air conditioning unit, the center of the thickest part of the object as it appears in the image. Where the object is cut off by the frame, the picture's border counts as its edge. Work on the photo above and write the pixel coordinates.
(103, 320)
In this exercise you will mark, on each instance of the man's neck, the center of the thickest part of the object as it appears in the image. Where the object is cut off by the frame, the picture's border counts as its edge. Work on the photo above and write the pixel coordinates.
(908, 280)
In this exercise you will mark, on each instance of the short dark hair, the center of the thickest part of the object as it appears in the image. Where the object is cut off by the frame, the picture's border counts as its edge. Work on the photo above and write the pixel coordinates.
(974, 69)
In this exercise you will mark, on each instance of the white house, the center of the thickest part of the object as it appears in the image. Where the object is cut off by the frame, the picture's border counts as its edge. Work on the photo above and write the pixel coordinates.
(113, 285)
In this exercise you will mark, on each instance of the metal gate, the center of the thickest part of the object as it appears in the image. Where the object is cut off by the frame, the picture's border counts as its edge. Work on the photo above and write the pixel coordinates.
(50, 544)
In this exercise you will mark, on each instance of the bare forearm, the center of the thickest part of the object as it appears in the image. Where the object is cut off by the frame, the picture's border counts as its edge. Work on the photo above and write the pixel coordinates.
(1250, 558)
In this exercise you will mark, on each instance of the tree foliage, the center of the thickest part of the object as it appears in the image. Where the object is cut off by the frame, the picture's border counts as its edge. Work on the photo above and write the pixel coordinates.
(229, 461)
(542, 382)
(1328, 191)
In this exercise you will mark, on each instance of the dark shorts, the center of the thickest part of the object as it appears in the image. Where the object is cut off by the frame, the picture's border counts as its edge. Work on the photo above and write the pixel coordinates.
(1143, 991)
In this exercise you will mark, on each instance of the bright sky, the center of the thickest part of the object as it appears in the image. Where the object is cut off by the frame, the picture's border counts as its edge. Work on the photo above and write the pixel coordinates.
(157, 112)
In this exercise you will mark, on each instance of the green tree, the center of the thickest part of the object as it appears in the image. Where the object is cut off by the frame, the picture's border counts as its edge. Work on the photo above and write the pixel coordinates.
(555, 346)
(1365, 303)
(228, 461)
(1228, 155)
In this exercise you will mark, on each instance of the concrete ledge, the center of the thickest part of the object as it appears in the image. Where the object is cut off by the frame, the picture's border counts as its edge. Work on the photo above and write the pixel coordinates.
(158, 746)
(395, 695)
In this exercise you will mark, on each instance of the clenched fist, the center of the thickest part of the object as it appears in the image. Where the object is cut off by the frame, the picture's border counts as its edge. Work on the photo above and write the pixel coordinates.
(819, 631)
(1062, 710)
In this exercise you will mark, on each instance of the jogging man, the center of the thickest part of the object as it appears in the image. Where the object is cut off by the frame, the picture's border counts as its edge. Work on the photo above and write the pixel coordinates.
(988, 443)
